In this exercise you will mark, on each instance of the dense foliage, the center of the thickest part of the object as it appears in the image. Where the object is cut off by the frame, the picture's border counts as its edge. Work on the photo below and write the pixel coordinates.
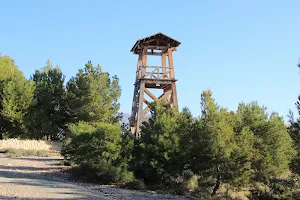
(236, 149)
(16, 94)
(49, 113)
(283, 189)
(96, 149)
(156, 153)
(93, 95)
(295, 135)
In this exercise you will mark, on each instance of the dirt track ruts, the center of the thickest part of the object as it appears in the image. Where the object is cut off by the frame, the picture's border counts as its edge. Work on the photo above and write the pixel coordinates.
(41, 178)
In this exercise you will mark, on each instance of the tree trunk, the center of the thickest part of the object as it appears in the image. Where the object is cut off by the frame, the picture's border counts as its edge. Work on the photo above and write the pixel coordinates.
(218, 183)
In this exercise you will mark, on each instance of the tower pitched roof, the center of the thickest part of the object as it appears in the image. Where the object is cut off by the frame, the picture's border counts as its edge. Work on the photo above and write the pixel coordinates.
(158, 39)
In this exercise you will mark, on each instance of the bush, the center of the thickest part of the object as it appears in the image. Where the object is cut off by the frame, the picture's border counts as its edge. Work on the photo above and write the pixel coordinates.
(96, 150)
(127, 176)
(185, 183)
(285, 189)
(101, 173)
(136, 184)
(156, 152)
(66, 163)
(205, 187)
(190, 180)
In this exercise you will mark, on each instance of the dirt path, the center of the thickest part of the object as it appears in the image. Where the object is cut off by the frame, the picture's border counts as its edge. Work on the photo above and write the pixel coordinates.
(40, 178)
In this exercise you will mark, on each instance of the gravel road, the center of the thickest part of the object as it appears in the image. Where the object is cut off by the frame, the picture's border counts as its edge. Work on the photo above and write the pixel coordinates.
(41, 178)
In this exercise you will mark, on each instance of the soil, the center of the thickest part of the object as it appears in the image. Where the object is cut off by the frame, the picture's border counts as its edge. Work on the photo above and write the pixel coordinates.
(43, 178)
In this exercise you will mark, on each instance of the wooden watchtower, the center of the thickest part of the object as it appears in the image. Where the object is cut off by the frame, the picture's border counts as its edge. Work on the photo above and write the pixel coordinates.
(153, 77)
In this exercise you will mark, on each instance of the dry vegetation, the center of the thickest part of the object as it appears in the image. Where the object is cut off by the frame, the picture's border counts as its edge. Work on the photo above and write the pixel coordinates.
(29, 144)
(19, 148)
(12, 153)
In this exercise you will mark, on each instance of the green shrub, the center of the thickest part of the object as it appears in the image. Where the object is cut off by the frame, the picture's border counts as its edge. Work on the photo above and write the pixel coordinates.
(66, 163)
(90, 143)
(156, 152)
(192, 183)
(185, 183)
(205, 187)
(127, 176)
(136, 184)
(96, 149)
(101, 173)
(285, 189)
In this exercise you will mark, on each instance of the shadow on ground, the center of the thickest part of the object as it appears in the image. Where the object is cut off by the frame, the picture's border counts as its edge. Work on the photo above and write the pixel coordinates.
(40, 159)
(23, 168)
(16, 198)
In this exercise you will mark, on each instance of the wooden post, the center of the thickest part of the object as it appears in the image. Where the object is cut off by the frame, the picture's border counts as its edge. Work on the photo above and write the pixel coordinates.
(164, 65)
(140, 63)
(136, 88)
(174, 95)
(171, 64)
(140, 108)
(144, 61)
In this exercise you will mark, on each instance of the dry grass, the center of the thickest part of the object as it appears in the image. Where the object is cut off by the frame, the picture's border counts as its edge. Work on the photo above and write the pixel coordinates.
(12, 153)
(231, 193)
(29, 144)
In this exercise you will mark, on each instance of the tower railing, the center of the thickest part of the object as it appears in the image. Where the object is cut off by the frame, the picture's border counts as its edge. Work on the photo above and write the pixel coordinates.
(154, 72)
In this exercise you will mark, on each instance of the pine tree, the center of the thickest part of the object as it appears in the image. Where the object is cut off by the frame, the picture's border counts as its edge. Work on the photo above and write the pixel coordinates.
(93, 95)
(294, 131)
(16, 94)
(49, 113)
(272, 145)
(158, 148)
(218, 151)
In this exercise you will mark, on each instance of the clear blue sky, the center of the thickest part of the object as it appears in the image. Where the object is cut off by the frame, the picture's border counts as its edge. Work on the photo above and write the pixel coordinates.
(241, 50)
